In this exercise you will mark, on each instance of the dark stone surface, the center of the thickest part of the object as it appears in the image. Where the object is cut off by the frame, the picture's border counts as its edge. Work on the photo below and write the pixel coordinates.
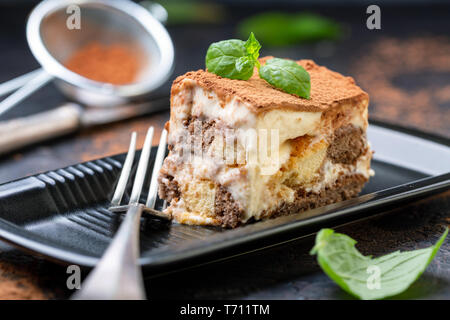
(289, 272)
(284, 272)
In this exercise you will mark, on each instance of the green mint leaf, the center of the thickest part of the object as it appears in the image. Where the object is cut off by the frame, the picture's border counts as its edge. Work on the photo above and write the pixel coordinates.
(283, 29)
(287, 75)
(366, 277)
(252, 46)
(244, 65)
(233, 59)
(229, 59)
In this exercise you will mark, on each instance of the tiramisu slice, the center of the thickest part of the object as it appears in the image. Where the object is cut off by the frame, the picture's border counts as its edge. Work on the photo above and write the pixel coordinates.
(244, 150)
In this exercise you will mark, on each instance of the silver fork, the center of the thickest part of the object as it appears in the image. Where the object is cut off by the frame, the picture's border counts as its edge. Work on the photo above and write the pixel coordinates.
(118, 275)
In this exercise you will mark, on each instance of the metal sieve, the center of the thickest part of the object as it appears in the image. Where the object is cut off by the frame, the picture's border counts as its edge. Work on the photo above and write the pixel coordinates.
(106, 21)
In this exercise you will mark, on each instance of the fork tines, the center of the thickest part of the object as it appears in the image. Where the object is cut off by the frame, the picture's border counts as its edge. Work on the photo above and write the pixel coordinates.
(140, 175)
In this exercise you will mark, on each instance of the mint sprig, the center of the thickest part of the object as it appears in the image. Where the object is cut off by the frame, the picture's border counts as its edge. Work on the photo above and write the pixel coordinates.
(366, 277)
(236, 59)
(252, 46)
(233, 59)
(287, 75)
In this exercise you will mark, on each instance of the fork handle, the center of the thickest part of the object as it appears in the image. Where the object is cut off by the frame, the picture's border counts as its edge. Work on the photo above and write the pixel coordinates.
(117, 276)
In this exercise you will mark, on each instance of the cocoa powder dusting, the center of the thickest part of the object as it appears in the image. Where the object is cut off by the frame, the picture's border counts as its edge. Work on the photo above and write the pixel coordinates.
(328, 89)
(418, 102)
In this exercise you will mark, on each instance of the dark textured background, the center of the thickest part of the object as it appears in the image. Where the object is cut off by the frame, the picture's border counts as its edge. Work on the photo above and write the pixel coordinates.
(414, 40)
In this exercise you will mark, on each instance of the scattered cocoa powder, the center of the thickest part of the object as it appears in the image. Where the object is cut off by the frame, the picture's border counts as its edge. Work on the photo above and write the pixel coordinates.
(115, 138)
(424, 104)
(114, 63)
(18, 283)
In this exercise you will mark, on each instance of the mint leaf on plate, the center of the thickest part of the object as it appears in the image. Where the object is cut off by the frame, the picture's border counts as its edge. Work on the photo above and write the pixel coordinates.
(366, 277)
(287, 75)
(233, 59)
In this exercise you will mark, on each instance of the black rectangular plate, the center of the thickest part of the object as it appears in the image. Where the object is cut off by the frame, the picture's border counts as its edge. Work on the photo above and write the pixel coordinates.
(62, 214)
